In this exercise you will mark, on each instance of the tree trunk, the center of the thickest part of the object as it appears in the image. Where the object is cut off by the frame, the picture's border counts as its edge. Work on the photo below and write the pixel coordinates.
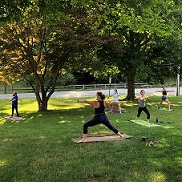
(42, 105)
(131, 85)
(5, 88)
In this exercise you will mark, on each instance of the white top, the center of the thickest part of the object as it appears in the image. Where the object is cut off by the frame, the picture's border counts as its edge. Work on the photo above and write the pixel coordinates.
(116, 95)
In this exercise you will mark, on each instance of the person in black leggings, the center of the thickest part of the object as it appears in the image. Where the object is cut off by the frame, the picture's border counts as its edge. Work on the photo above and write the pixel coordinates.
(143, 107)
(99, 115)
(15, 104)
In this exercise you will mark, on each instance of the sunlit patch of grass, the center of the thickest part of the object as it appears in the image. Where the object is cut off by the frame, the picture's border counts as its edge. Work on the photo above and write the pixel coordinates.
(2, 121)
(158, 177)
(29, 105)
(179, 160)
(66, 105)
(7, 140)
(61, 122)
(3, 162)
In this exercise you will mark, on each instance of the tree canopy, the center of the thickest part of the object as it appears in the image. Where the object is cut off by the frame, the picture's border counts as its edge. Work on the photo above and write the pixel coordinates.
(40, 40)
(141, 26)
(41, 45)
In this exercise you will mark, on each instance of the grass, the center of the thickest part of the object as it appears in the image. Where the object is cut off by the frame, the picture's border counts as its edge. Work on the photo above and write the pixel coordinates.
(39, 148)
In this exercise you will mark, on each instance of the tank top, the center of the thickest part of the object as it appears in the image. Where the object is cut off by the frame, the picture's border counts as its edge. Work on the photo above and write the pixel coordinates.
(141, 102)
(164, 92)
(100, 109)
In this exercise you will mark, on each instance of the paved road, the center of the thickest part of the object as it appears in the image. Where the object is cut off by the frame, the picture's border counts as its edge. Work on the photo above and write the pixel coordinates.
(79, 94)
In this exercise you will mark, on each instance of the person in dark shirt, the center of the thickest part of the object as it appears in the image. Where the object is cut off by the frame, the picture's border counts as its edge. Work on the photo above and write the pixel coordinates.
(14, 101)
(164, 98)
(99, 115)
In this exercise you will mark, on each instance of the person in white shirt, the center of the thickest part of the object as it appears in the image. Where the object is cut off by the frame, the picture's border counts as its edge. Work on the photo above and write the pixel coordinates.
(116, 100)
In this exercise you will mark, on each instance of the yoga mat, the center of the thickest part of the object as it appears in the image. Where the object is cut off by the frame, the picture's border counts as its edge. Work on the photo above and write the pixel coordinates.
(14, 118)
(101, 138)
(114, 111)
(164, 109)
(107, 110)
(168, 110)
(144, 123)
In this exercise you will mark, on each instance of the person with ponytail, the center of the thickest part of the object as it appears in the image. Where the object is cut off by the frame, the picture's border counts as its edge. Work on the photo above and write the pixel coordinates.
(99, 115)
(164, 98)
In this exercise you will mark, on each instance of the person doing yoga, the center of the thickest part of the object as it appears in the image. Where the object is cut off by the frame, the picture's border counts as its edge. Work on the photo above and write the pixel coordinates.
(14, 101)
(99, 115)
(164, 98)
(116, 101)
(142, 106)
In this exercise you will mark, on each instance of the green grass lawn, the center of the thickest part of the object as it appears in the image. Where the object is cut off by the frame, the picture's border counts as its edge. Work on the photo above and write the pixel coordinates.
(39, 148)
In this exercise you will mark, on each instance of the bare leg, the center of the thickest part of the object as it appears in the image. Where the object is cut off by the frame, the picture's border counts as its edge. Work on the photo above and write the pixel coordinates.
(84, 136)
(148, 121)
(160, 104)
(115, 103)
(112, 107)
(136, 119)
(169, 107)
(119, 107)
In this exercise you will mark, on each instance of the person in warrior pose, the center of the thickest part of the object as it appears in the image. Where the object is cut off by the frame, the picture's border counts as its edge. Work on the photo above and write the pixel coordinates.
(164, 98)
(142, 106)
(14, 101)
(99, 115)
(116, 100)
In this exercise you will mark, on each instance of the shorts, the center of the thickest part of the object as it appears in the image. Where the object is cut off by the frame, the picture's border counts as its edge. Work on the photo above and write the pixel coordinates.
(163, 97)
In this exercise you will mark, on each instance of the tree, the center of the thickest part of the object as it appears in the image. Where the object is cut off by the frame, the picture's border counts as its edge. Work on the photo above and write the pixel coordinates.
(39, 49)
(39, 45)
(136, 23)
(45, 38)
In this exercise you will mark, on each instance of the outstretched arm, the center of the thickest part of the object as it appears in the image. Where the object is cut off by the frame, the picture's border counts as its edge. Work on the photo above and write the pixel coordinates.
(92, 103)
(148, 97)
(109, 103)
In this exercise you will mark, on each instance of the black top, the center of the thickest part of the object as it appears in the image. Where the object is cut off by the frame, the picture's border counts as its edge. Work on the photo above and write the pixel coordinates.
(164, 92)
(14, 100)
(101, 108)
